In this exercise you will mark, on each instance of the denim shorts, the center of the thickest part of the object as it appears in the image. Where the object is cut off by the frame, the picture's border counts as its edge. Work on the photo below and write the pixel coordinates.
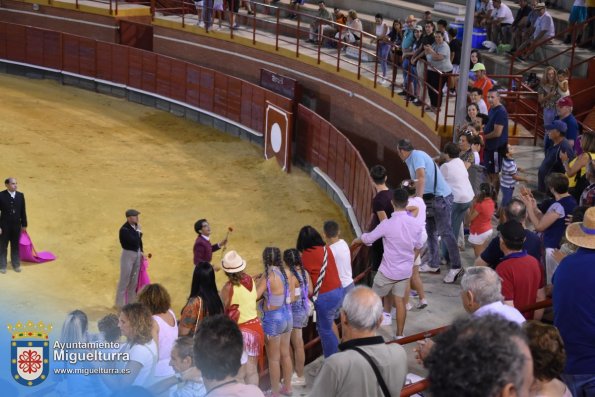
(278, 321)
(300, 314)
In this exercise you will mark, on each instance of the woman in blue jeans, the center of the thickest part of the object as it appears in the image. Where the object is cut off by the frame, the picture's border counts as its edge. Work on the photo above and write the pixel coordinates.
(455, 173)
(314, 255)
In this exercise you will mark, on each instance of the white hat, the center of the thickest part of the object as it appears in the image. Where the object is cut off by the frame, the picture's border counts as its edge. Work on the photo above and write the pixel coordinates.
(233, 263)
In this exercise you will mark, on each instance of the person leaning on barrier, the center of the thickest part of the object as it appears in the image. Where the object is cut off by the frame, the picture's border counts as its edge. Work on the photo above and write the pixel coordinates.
(350, 372)
(486, 356)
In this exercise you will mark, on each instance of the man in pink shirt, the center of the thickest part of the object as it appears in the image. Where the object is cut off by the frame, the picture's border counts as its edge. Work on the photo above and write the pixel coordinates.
(401, 235)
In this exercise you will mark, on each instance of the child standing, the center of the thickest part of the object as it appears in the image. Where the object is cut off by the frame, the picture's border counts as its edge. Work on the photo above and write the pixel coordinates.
(482, 210)
(509, 176)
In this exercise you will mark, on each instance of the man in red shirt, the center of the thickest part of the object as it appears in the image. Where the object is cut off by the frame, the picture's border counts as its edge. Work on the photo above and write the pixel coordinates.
(521, 274)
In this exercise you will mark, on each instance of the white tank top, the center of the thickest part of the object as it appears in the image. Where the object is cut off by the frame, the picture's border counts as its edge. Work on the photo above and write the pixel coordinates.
(167, 337)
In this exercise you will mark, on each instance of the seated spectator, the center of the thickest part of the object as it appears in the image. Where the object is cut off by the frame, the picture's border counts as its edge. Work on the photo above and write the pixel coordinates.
(240, 292)
(484, 14)
(165, 325)
(524, 30)
(317, 25)
(552, 162)
(495, 351)
(182, 384)
(203, 301)
(331, 31)
(482, 294)
(482, 210)
(574, 305)
(354, 31)
(549, 358)
(108, 328)
(498, 30)
(543, 32)
(552, 223)
(509, 176)
(520, 19)
(514, 211)
(217, 353)
(365, 365)
(75, 330)
(136, 325)
(482, 81)
(576, 169)
(522, 278)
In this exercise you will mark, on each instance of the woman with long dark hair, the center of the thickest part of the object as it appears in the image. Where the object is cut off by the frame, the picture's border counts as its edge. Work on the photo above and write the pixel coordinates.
(315, 257)
(203, 301)
(300, 308)
(277, 287)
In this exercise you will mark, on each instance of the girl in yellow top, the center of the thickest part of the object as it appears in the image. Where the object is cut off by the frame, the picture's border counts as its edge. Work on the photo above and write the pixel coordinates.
(240, 290)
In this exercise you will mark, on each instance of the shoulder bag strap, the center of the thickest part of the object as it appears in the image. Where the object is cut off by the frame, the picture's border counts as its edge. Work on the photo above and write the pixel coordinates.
(321, 275)
(199, 313)
(379, 378)
(435, 177)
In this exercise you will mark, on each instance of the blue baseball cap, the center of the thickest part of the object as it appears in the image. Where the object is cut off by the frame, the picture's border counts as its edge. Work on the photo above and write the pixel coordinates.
(557, 125)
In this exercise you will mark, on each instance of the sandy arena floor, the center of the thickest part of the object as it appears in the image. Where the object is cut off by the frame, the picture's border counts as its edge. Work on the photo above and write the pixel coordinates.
(83, 158)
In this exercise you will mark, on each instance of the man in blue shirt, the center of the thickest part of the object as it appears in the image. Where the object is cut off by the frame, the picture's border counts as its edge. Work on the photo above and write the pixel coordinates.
(574, 306)
(408, 37)
(496, 137)
(564, 110)
(431, 185)
(552, 162)
(515, 210)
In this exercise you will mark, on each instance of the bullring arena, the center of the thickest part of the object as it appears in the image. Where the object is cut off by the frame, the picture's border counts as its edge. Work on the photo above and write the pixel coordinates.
(82, 159)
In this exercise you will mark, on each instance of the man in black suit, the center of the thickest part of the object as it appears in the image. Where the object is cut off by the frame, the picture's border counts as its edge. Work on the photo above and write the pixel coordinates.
(131, 240)
(13, 219)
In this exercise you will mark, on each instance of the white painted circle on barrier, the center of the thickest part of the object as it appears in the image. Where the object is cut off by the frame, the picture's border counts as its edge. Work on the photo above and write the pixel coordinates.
(276, 137)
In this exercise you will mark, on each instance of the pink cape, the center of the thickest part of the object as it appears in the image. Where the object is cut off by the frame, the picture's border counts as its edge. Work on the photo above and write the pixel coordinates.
(27, 252)
(143, 275)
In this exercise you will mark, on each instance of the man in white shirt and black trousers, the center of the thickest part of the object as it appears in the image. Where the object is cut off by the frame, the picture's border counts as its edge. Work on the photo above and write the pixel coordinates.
(13, 219)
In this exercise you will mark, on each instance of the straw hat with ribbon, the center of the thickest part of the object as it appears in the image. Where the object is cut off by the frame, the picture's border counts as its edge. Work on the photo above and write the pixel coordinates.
(582, 233)
(232, 262)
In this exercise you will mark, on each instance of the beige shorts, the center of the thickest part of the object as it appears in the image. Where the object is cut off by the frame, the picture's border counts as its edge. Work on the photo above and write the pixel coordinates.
(384, 286)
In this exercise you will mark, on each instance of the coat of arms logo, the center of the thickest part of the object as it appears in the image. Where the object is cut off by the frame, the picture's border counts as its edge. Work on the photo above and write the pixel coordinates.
(29, 352)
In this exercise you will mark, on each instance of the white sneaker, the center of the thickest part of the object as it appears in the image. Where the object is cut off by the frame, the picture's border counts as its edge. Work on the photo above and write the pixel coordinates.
(409, 306)
(428, 269)
(386, 319)
(422, 304)
(298, 380)
(452, 275)
(384, 82)
(393, 313)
